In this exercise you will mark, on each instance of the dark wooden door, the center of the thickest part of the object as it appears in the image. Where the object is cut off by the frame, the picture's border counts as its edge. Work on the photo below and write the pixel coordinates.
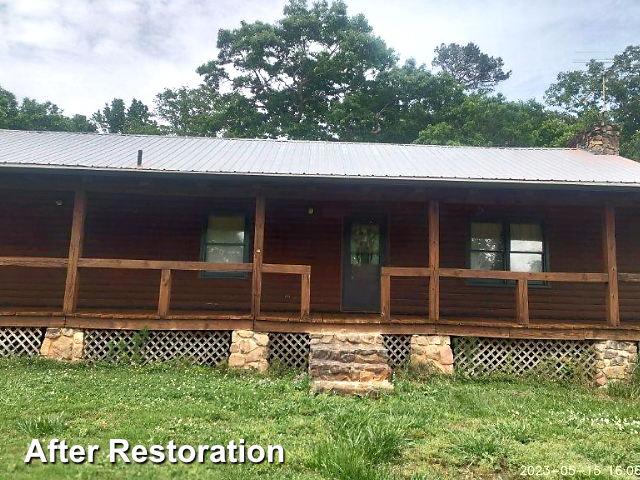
(363, 253)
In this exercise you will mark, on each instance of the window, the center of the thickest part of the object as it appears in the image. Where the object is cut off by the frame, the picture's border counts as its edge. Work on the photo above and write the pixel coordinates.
(225, 240)
(516, 247)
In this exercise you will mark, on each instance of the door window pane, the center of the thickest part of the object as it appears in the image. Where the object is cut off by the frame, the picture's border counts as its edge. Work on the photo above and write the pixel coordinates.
(365, 244)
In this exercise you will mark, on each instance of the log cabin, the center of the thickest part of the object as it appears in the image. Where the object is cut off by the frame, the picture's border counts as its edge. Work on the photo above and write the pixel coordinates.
(109, 233)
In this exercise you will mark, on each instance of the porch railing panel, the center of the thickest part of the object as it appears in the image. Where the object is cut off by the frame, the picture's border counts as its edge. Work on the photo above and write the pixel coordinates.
(166, 267)
(521, 280)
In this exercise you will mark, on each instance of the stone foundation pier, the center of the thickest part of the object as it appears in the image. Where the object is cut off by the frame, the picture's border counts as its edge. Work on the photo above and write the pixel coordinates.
(432, 351)
(249, 349)
(63, 344)
(615, 361)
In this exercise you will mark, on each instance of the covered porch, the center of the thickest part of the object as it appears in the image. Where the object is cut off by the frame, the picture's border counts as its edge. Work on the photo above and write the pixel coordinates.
(120, 254)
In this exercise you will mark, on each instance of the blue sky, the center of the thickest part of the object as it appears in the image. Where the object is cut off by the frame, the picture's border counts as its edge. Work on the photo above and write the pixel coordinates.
(81, 53)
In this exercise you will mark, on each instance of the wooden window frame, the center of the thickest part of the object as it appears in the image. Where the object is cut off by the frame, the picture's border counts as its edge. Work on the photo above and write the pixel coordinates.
(506, 239)
(246, 256)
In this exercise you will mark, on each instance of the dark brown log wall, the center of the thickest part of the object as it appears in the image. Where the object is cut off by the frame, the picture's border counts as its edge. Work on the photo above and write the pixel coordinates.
(34, 223)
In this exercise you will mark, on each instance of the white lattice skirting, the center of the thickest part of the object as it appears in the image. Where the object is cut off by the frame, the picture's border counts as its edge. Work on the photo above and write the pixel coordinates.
(200, 347)
(20, 341)
(399, 348)
(292, 349)
(557, 358)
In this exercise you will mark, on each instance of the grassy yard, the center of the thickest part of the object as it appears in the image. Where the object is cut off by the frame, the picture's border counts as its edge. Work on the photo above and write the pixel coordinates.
(432, 428)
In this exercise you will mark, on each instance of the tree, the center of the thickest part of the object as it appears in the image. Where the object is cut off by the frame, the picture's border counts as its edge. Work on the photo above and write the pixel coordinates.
(470, 67)
(81, 123)
(117, 118)
(112, 116)
(285, 78)
(631, 148)
(395, 106)
(190, 111)
(580, 93)
(8, 108)
(138, 120)
(493, 121)
(33, 115)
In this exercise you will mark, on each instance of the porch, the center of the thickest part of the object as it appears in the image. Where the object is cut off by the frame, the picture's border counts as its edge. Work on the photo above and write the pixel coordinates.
(425, 286)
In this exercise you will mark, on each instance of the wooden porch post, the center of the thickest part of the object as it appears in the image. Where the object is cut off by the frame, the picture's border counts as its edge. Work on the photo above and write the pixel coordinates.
(385, 295)
(75, 252)
(305, 296)
(164, 298)
(522, 301)
(611, 265)
(434, 260)
(258, 245)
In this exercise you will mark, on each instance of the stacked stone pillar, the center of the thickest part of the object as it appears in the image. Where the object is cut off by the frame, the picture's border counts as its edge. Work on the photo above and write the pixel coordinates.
(433, 352)
(615, 361)
(63, 344)
(249, 350)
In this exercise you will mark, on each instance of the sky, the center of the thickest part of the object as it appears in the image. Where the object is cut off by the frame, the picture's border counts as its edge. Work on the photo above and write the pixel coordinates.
(80, 54)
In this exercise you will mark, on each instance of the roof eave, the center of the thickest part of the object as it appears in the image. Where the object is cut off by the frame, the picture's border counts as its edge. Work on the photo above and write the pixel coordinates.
(476, 182)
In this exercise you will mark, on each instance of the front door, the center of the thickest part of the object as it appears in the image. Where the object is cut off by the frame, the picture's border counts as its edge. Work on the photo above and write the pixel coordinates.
(363, 253)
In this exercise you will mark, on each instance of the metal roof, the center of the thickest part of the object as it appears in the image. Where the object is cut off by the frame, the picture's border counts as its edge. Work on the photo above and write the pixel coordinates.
(196, 155)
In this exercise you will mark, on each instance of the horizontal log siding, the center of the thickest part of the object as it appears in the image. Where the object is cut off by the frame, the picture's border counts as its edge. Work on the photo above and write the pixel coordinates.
(628, 248)
(574, 245)
(33, 224)
(155, 228)
(139, 227)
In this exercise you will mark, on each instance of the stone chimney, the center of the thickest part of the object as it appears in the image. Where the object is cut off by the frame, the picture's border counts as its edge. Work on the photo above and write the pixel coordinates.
(600, 138)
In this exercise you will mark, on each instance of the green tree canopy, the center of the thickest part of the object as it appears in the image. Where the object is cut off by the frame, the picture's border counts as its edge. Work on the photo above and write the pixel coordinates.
(470, 67)
(580, 93)
(191, 111)
(395, 106)
(117, 118)
(493, 121)
(29, 114)
(8, 108)
(283, 79)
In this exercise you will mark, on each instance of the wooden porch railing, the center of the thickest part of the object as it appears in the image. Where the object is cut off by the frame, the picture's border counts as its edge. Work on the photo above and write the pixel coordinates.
(521, 280)
(166, 267)
(610, 277)
(76, 261)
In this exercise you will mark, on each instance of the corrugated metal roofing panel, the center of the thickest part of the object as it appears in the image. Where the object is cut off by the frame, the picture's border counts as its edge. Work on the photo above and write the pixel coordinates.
(313, 159)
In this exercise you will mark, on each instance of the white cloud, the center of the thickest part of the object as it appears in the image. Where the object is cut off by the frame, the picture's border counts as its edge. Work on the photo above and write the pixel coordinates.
(81, 53)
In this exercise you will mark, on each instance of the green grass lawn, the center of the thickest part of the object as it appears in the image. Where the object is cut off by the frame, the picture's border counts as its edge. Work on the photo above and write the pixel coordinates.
(429, 428)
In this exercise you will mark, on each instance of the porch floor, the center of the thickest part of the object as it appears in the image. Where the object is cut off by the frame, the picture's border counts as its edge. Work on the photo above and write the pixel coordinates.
(318, 321)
